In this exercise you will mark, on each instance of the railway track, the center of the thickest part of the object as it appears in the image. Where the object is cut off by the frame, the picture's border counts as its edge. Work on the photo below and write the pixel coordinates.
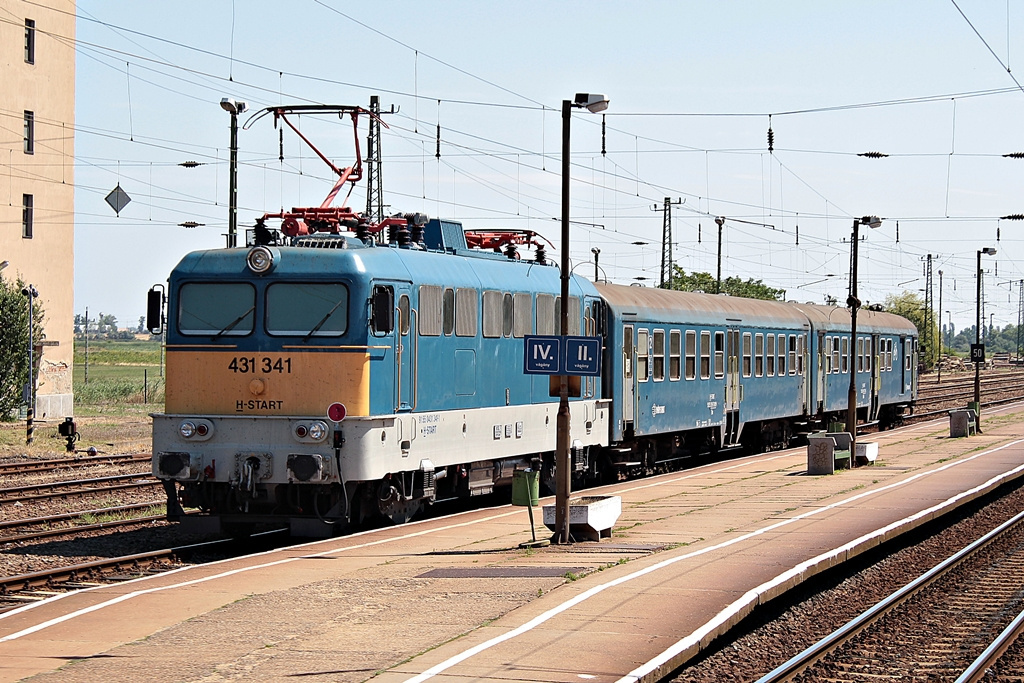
(77, 487)
(952, 619)
(77, 526)
(30, 466)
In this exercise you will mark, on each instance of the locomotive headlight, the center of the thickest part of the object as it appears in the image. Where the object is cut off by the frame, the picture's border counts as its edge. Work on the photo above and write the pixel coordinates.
(317, 431)
(187, 429)
(260, 259)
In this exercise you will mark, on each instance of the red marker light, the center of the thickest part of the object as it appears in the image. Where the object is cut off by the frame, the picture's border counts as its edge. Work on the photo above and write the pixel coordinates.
(336, 412)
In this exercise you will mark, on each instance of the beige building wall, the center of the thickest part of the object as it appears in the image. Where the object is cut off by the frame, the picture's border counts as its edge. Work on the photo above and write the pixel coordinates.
(42, 83)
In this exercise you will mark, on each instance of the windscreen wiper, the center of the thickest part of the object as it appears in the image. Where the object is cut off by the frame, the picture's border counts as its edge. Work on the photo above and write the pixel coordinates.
(235, 322)
(322, 321)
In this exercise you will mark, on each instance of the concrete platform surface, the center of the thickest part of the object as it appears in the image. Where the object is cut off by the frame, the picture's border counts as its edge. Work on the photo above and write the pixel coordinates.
(456, 598)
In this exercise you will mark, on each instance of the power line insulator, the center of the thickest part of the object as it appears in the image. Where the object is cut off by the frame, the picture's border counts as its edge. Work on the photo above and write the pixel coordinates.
(873, 155)
(1014, 155)
(771, 139)
(1014, 217)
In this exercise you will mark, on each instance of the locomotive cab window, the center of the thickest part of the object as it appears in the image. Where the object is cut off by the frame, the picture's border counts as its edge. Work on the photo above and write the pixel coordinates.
(307, 309)
(382, 314)
(221, 309)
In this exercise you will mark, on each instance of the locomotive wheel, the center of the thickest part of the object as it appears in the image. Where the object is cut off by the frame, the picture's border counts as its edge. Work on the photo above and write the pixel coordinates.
(392, 503)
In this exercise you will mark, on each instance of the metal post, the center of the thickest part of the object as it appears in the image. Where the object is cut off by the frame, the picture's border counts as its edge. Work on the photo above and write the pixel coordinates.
(977, 337)
(563, 481)
(30, 393)
(854, 303)
(718, 281)
(596, 251)
(939, 379)
(233, 183)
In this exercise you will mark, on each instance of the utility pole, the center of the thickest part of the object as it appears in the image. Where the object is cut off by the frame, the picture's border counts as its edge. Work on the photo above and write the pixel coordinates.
(1020, 318)
(374, 182)
(666, 240)
(720, 220)
(939, 379)
(929, 303)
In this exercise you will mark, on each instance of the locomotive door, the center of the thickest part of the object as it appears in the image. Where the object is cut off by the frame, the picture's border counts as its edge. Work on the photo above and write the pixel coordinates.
(733, 390)
(405, 345)
(628, 379)
(876, 377)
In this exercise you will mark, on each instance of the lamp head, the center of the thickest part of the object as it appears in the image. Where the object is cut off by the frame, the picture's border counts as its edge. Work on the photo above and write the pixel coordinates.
(4, 264)
(595, 251)
(593, 102)
(989, 251)
(871, 221)
(232, 106)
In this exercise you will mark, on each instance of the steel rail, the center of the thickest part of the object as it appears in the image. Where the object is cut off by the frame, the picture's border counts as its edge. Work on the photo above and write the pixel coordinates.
(27, 466)
(815, 652)
(979, 667)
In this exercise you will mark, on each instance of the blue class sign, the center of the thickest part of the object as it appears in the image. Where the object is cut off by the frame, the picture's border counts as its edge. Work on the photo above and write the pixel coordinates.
(549, 355)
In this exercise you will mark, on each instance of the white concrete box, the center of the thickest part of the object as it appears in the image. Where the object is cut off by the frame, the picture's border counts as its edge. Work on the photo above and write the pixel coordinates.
(591, 516)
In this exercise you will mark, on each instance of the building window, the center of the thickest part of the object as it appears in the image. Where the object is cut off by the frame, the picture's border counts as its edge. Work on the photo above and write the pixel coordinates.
(26, 216)
(30, 41)
(30, 132)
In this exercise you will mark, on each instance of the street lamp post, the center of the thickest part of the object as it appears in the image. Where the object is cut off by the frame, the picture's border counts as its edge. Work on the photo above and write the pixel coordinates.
(720, 221)
(29, 393)
(234, 108)
(988, 251)
(563, 478)
(854, 303)
(596, 251)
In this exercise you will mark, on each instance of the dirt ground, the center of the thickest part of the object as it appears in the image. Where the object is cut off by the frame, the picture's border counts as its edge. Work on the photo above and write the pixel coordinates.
(118, 429)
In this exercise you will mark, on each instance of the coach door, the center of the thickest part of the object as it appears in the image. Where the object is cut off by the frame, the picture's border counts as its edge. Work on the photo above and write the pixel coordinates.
(876, 377)
(733, 389)
(628, 378)
(822, 372)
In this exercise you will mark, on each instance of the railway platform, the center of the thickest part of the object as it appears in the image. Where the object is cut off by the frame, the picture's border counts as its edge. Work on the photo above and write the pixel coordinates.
(456, 598)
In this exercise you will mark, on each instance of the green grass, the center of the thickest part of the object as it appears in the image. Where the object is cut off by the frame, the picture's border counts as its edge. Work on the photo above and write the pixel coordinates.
(119, 372)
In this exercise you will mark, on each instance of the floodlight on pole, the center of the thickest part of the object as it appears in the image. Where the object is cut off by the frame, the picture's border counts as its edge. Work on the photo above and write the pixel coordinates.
(854, 303)
(233, 107)
(563, 480)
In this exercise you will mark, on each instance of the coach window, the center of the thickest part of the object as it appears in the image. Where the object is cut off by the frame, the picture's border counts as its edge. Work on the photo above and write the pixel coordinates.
(691, 354)
(448, 311)
(770, 355)
(466, 312)
(793, 366)
(746, 354)
(860, 354)
(222, 309)
(675, 353)
(659, 355)
(643, 347)
(522, 314)
(429, 311)
(705, 354)
(801, 344)
(759, 355)
(908, 353)
(835, 354)
(782, 354)
(719, 355)
(844, 354)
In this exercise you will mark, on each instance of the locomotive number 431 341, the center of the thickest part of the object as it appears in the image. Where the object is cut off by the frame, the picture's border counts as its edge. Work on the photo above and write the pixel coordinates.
(243, 364)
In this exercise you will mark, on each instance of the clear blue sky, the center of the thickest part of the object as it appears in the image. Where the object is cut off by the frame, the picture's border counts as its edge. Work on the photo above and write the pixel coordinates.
(691, 87)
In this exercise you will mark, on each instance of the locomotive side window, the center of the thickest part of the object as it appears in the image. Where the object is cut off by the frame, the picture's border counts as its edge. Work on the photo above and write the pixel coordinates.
(705, 354)
(506, 315)
(719, 355)
(522, 315)
(746, 354)
(642, 349)
(430, 311)
(465, 312)
(546, 314)
(782, 355)
(223, 309)
(770, 355)
(759, 355)
(403, 313)
(492, 314)
(382, 319)
(675, 353)
(448, 311)
(691, 354)
(307, 309)
(659, 355)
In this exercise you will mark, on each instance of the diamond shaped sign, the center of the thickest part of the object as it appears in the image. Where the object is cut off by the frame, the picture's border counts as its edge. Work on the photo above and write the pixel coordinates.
(118, 199)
